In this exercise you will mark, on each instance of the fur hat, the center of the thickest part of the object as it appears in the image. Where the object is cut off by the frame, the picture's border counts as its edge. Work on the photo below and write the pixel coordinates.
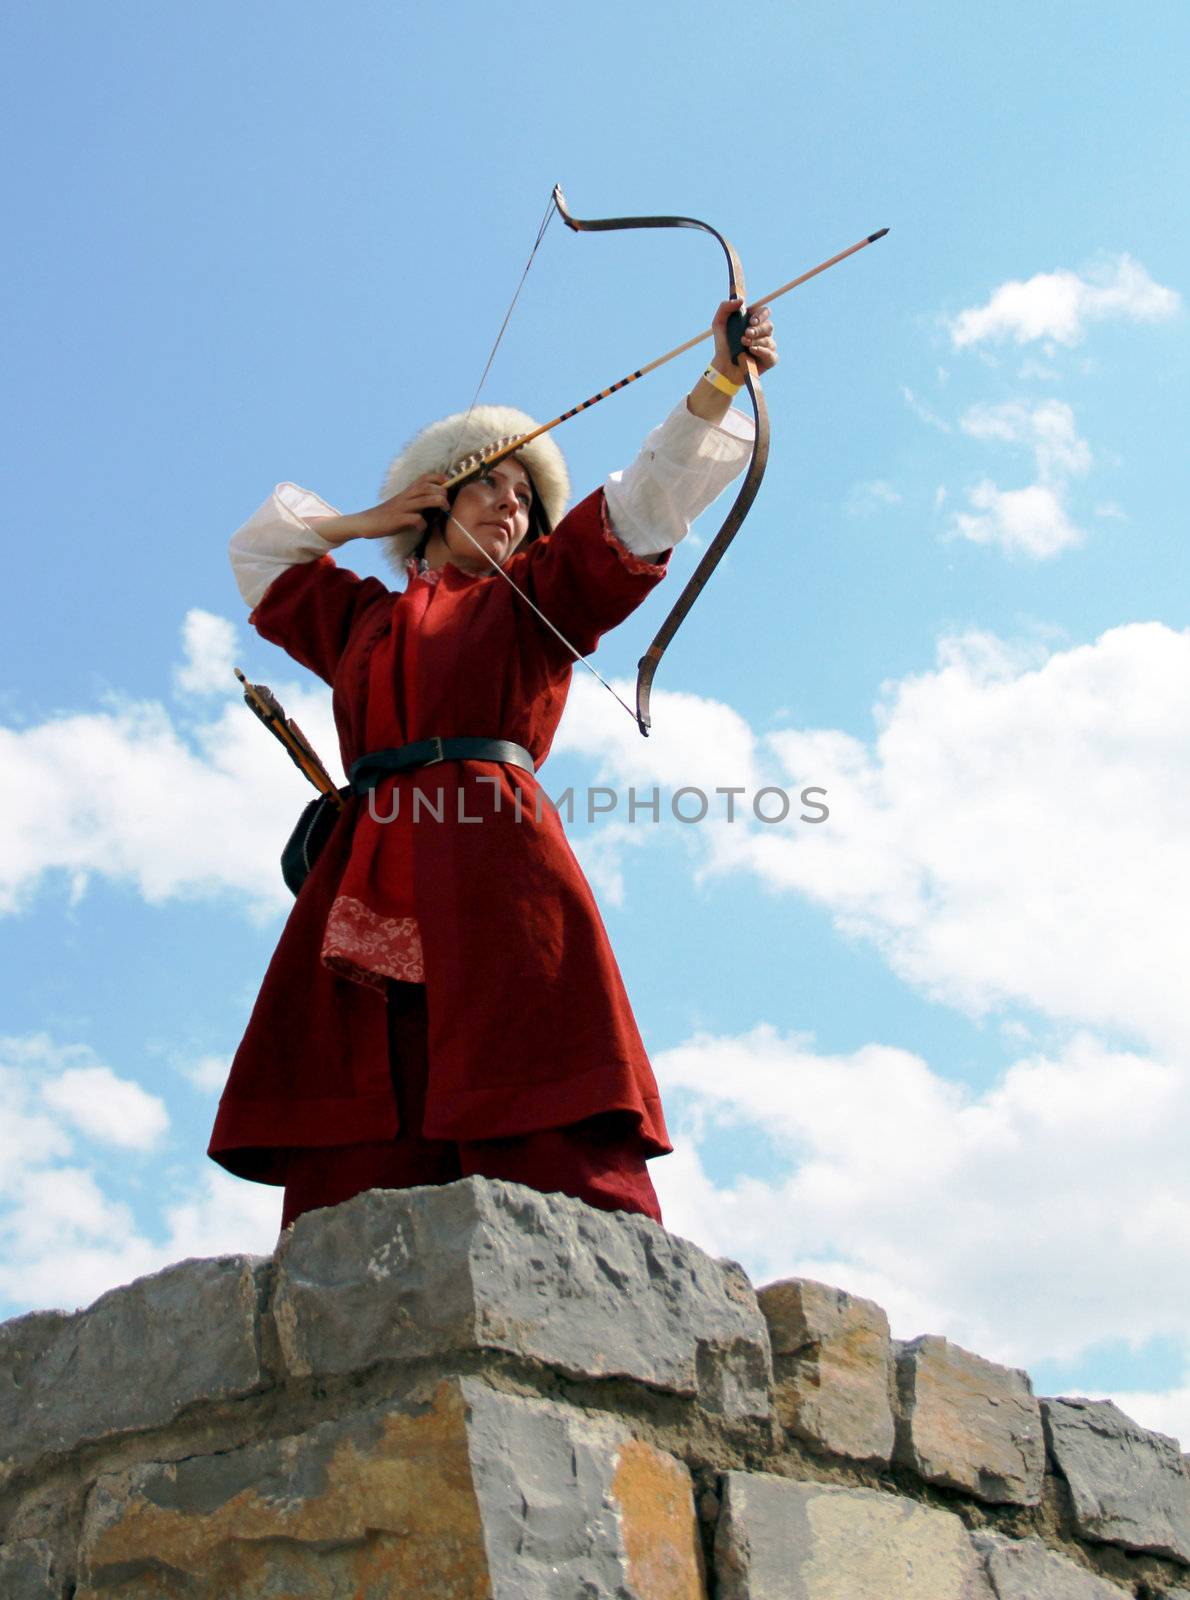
(445, 446)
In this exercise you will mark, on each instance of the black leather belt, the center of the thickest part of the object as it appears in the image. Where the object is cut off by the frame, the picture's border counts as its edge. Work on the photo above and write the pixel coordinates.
(367, 772)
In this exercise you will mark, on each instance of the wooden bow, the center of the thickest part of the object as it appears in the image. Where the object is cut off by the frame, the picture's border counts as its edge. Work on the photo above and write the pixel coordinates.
(741, 505)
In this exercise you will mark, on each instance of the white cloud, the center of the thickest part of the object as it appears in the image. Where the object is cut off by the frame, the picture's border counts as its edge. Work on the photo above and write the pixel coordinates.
(923, 412)
(208, 1073)
(65, 1241)
(1030, 522)
(1046, 428)
(110, 1109)
(1059, 305)
(209, 643)
(49, 1092)
(64, 1238)
(1164, 1411)
(1029, 1222)
(693, 741)
(29, 1133)
(1033, 521)
(54, 1218)
(222, 1215)
(172, 808)
(1013, 837)
(601, 856)
(1033, 371)
(867, 498)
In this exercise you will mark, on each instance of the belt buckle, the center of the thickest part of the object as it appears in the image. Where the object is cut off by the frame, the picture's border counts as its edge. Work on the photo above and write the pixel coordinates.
(440, 756)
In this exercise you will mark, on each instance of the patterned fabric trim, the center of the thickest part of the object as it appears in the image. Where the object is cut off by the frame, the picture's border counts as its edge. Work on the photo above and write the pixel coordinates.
(639, 564)
(419, 567)
(370, 949)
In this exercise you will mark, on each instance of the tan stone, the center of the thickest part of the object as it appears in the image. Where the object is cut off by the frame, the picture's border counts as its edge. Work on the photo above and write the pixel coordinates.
(388, 1508)
(29, 1570)
(968, 1423)
(1128, 1486)
(658, 1523)
(782, 1540)
(833, 1366)
(476, 1494)
(1024, 1569)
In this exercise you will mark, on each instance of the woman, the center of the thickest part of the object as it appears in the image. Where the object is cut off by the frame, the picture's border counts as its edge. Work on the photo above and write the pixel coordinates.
(443, 1000)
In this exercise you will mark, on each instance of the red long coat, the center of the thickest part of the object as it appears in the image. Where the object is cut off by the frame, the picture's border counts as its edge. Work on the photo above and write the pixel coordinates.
(529, 1024)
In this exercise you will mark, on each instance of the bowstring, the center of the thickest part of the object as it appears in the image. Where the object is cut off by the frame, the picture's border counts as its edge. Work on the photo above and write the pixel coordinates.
(550, 212)
(516, 589)
(547, 218)
(550, 209)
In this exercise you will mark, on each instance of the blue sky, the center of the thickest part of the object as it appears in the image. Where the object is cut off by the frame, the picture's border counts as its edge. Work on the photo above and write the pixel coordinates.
(934, 1050)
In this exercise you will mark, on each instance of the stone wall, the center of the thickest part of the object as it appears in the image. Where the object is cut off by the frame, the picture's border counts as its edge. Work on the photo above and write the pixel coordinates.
(482, 1391)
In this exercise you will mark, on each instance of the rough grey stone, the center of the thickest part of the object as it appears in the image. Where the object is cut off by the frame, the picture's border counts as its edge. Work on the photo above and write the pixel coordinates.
(473, 1493)
(482, 1265)
(968, 1423)
(1129, 1487)
(1025, 1569)
(782, 1540)
(132, 1361)
(572, 1505)
(833, 1368)
(28, 1571)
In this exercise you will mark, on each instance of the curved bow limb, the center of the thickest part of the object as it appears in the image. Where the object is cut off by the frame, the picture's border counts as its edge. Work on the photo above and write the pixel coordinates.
(742, 503)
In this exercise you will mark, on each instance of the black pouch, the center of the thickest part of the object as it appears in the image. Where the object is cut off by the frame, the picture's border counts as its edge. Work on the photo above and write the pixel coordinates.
(313, 829)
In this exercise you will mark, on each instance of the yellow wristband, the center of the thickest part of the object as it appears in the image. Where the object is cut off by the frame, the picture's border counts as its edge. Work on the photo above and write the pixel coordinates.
(724, 385)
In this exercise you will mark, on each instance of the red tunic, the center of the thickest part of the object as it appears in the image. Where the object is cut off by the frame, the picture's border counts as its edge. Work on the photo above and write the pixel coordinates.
(529, 1024)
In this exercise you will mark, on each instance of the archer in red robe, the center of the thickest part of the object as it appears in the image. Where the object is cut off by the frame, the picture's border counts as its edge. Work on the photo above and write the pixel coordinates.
(444, 990)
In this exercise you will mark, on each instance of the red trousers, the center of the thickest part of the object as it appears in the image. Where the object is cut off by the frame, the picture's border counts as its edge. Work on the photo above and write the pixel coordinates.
(599, 1160)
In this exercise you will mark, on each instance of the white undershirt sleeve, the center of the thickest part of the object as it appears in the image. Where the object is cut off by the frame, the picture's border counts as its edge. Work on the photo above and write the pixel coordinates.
(277, 536)
(683, 466)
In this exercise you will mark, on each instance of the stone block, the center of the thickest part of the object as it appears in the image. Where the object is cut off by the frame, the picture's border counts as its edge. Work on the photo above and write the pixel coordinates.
(968, 1424)
(1026, 1569)
(832, 1368)
(480, 1265)
(1129, 1487)
(29, 1571)
(473, 1495)
(574, 1505)
(131, 1362)
(778, 1539)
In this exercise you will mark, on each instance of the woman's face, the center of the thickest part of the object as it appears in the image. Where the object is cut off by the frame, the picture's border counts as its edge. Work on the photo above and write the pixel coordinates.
(494, 509)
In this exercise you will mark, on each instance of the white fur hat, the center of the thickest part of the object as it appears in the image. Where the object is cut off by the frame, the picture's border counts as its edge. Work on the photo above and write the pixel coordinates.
(445, 446)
